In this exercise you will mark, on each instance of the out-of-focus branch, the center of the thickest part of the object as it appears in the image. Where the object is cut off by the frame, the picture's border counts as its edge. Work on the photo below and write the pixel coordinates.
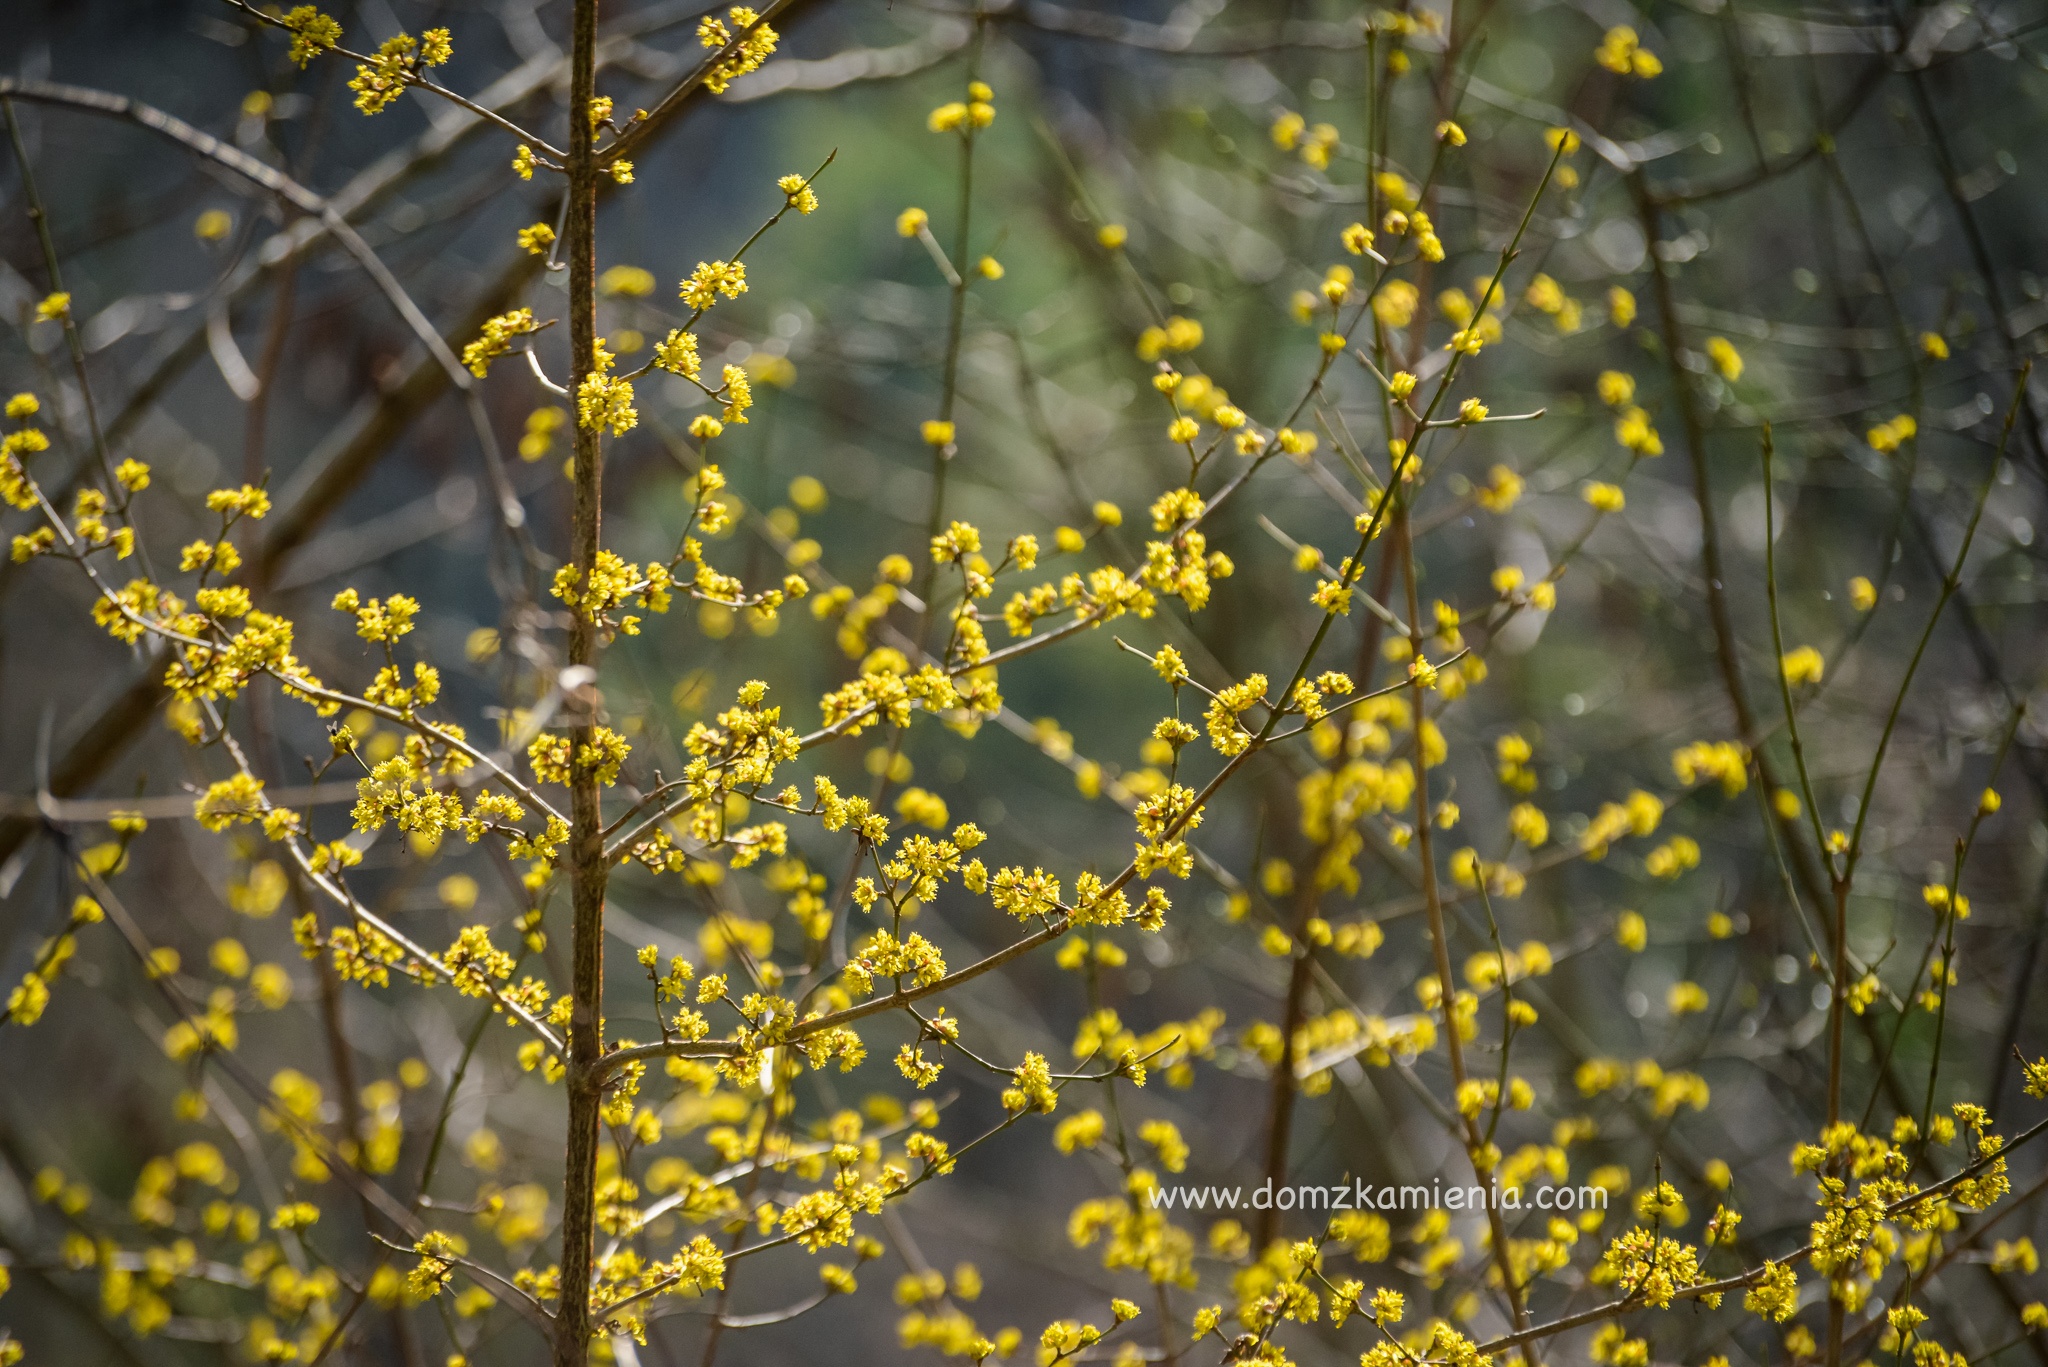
(257, 172)
(806, 76)
(282, 185)
(334, 469)
(1181, 37)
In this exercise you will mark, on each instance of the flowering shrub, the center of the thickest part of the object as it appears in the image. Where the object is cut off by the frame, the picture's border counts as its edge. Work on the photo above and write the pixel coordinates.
(1368, 871)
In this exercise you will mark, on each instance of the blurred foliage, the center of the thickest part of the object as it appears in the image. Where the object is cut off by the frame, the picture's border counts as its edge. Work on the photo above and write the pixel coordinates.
(1811, 218)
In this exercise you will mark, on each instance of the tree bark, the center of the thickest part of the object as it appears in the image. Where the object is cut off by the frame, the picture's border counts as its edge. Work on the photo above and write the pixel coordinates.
(587, 871)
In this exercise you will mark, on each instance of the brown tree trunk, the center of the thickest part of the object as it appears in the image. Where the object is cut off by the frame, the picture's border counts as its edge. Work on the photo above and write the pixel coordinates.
(586, 839)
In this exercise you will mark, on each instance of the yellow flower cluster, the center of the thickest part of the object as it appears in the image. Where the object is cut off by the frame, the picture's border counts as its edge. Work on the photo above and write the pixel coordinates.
(498, 335)
(1621, 52)
(401, 60)
(751, 41)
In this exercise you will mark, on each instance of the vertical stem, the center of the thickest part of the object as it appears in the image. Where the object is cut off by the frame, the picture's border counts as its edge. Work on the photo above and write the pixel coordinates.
(1439, 940)
(1838, 974)
(1980, 251)
(1837, 1316)
(41, 218)
(1280, 1121)
(587, 868)
(739, 1236)
(1696, 451)
(1729, 659)
(341, 1061)
(1727, 656)
(956, 319)
(256, 421)
(1432, 897)
(1814, 882)
(440, 1133)
(255, 425)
